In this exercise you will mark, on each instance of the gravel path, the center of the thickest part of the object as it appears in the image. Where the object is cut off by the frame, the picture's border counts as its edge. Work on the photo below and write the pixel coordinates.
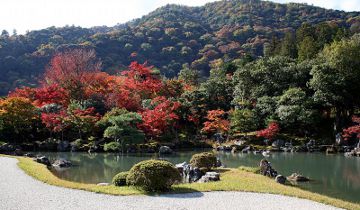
(20, 191)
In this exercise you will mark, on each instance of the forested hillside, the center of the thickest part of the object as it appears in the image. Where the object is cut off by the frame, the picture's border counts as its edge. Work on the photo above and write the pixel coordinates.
(172, 36)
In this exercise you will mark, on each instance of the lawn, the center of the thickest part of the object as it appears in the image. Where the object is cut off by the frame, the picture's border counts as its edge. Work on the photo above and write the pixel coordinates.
(242, 179)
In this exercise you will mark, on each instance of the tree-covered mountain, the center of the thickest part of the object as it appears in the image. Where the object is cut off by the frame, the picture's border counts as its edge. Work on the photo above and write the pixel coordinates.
(173, 35)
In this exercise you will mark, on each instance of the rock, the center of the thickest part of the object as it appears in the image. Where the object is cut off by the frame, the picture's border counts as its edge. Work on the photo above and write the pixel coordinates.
(7, 148)
(30, 155)
(18, 152)
(266, 169)
(331, 150)
(103, 184)
(218, 163)
(280, 179)
(278, 143)
(43, 160)
(297, 178)
(210, 177)
(181, 166)
(62, 163)
(63, 146)
(246, 149)
(165, 150)
(234, 150)
(227, 148)
(192, 174)
(299, 149)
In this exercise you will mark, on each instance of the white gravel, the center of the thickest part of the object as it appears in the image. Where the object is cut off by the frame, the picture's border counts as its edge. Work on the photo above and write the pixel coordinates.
(20, 191)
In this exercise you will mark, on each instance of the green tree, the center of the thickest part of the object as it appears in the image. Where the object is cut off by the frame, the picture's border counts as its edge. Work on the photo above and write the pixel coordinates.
(307, 48)
(124, 129)
(336, 80)
(243, 120)
(288, 46)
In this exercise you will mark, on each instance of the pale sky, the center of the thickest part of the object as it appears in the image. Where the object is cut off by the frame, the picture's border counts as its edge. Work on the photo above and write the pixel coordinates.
(25, 15)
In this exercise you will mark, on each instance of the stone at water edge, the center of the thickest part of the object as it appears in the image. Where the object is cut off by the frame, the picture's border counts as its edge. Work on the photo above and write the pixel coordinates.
(234, 150)
(210, 177)
(62, 163)
(297, 178)
(18, 152)
(43, 160)
(246, 149)
(280, 179)
(165, 150)
(266, 169)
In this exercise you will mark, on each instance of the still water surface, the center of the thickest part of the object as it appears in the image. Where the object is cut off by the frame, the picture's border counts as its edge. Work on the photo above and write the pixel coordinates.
(333, 175)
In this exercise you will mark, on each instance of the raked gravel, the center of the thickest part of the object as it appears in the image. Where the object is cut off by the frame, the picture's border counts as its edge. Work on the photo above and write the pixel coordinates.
(20, 191)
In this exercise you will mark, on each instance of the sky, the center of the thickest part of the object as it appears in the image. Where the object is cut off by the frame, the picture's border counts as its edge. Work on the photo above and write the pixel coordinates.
(24, 15)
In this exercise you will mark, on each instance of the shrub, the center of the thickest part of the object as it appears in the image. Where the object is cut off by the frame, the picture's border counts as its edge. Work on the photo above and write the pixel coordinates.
(153, 175)
(120, 179)
(203, 160)
(112, 147)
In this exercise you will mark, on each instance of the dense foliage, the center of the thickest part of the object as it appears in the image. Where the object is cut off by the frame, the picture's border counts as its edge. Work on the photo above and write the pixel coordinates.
(175, 35)
(305, 85)
(120, 179)
(203, 160)
(153, 175)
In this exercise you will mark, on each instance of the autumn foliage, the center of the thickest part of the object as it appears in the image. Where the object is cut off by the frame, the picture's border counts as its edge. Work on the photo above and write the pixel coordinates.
(353, 130)
(216, 122)
(270, 132)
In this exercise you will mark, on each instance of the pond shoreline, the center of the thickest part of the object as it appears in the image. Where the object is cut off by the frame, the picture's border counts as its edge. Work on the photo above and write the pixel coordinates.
(41, 173)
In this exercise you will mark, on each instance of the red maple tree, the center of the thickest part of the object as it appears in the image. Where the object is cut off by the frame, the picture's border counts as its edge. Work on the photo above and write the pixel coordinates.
(352, 130)
(270, 132)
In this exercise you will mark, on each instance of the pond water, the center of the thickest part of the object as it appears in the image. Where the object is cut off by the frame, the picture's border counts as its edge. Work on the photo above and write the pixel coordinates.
(333, 175)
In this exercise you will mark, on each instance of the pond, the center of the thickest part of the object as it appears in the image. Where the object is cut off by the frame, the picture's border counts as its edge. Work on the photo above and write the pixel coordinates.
(333, 175)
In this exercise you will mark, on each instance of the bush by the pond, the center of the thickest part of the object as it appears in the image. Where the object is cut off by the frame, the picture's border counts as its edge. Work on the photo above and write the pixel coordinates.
(203, 160)
(120, 179)
(112, 147)
(153, 175)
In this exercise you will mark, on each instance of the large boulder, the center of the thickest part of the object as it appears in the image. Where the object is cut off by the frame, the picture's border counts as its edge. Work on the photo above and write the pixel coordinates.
(210, 177)
(181, 167)
(165, 150)
(295, 177)
(194, 174)
(266, 169)
(280, 179)
(43, 160)
(62, 163)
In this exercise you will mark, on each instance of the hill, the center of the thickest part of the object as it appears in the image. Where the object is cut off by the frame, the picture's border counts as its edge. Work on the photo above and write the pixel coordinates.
(168, 37)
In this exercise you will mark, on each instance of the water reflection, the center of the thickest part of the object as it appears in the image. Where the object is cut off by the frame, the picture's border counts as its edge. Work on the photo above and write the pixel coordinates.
(333, 175)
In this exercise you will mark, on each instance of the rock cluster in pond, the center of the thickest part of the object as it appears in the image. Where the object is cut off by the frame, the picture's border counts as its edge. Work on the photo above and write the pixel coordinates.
(192, 174)
(62, 163)
(267, 170)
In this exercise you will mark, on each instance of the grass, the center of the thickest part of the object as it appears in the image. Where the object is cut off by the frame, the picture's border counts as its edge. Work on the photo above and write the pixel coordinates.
(242, 179)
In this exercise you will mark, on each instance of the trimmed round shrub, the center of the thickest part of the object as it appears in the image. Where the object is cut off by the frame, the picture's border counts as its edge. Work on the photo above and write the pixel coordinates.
(112, 147)
(120, 179)
(203, 160)
(153, 175)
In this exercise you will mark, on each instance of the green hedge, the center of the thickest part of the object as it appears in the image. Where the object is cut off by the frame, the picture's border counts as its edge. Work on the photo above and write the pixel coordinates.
(120, 179)
(203, 160)
(153, 175)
